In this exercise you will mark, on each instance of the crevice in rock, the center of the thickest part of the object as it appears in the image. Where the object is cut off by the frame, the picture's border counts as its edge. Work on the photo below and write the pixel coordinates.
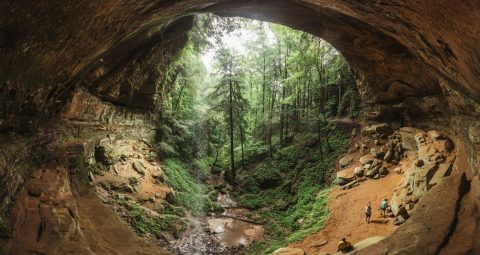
(464, 188)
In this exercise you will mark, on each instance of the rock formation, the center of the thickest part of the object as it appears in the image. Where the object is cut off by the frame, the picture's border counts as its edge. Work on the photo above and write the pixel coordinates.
(73, 73)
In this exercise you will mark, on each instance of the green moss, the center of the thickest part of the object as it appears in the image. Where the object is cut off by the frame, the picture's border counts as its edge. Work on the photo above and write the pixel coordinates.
(217, 208)
(142, 224)
(213, 196)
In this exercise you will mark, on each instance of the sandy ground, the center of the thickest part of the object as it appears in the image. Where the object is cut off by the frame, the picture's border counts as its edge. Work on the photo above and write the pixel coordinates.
(347, 218)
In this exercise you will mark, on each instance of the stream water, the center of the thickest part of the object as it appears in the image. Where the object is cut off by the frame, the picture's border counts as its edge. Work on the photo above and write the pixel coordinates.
(226, 233)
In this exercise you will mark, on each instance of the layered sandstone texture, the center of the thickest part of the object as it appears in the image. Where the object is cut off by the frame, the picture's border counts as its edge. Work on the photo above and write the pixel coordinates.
(73, 72)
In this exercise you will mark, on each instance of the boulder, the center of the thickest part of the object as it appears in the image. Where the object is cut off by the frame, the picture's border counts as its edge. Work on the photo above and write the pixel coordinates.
(383, 171)
(408, 138)
(347, 174)
(345, 161)
(379, 129)
(363, 244)
(372, 173)
(388, 156)
(318, 243)
(289, 251)
(399, 220)
(367, 159)
(107, 155)
(377, 153)
(359, 171)
(159, 175)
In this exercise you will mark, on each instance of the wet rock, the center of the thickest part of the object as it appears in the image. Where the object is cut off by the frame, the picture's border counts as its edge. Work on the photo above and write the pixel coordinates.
(345, 161)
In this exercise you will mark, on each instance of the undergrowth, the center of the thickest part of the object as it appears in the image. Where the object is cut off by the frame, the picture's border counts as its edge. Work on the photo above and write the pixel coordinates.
(189, 192)
(293, 205)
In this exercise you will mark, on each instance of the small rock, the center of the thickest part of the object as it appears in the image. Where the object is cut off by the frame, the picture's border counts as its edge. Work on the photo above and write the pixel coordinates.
(388, 156)
(419, 163)
(318, 243)
(91, 177)
(152, 199)
(399, 220)
(398, 170)
(137, 166)
(133, 180)
(359, 171)
(364, 147)
(376, 153)
(367, 159)
(372, 173)
(345, 161)
(289, 251)
(379, 129)
(383, 171)
(377, 176)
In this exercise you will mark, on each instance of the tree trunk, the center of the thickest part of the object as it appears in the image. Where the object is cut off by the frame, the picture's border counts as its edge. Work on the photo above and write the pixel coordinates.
(230, 110)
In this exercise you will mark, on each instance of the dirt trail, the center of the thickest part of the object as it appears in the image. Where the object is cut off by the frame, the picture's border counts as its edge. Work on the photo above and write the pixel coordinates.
(347, 218)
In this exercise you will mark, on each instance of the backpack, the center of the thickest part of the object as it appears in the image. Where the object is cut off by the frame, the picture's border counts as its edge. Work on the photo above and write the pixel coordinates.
(368, 209)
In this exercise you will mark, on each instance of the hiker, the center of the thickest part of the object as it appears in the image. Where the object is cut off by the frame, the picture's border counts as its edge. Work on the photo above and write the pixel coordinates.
(383, 207)
(344, 246)
(368, 212)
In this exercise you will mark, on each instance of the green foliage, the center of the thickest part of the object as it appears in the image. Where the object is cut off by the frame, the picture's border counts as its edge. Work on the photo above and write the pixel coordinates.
(142, 224)
(167, 208)
(189, 192)
(217, 208)
(298, 207)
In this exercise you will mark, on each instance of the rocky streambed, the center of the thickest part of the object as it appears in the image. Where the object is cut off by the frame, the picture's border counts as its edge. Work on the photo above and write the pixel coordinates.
(220, 233)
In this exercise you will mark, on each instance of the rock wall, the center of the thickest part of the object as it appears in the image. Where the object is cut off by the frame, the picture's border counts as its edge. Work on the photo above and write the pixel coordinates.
(77, 71)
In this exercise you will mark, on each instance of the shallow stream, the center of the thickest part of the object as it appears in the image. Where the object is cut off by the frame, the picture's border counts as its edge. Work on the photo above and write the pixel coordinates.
(226, 233)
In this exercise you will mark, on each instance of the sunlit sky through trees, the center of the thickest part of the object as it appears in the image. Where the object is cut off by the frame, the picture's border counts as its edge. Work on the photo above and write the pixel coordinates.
(237, 41)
